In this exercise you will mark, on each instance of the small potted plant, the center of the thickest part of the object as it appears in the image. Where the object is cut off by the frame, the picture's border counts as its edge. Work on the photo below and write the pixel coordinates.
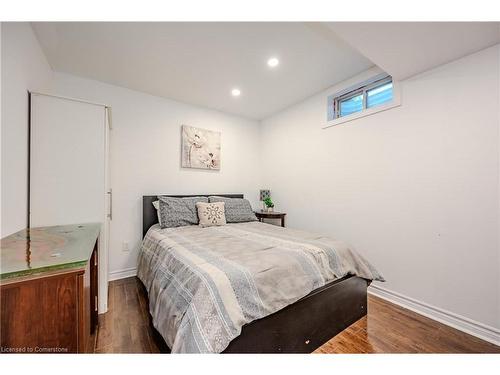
(269, 204)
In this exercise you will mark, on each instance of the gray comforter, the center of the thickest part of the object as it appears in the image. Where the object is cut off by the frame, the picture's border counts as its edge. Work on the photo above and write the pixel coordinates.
(204, 284)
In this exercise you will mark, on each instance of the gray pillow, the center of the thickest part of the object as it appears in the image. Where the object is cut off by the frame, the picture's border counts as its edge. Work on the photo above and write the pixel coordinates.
(238, 210)
(178, 212)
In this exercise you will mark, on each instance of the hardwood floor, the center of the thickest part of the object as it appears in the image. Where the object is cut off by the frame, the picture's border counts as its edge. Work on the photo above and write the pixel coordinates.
(125, 327)
(388, 328)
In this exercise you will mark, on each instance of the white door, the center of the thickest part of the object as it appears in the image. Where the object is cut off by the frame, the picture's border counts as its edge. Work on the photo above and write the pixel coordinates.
(68, 169)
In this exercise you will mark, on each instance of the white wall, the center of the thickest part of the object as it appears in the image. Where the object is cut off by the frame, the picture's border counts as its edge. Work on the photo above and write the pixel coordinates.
(145, 156)
(499, 183)
(414, 188)
(24, 68)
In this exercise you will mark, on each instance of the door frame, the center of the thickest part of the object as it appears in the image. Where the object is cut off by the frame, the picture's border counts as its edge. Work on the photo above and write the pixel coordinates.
(103, 253)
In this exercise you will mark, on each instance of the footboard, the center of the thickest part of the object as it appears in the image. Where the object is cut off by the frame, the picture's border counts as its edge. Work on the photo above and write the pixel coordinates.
(308, 323)
(303, 326)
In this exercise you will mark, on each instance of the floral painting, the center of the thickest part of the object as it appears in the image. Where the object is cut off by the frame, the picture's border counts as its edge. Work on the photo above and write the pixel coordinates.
(200, 148)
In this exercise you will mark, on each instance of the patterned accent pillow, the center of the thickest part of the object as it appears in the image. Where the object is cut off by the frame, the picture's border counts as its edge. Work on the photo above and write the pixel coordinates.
(238, 210)
(178, 212)
(211, 214)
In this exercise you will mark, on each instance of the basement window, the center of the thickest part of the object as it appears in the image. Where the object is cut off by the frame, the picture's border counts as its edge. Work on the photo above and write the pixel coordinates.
(368, 97)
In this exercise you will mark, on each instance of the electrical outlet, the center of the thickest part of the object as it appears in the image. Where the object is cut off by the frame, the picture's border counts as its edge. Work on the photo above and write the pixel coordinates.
(125, 246)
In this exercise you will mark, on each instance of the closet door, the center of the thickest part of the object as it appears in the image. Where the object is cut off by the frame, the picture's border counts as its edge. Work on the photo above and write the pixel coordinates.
(68, 162)
(67, 177)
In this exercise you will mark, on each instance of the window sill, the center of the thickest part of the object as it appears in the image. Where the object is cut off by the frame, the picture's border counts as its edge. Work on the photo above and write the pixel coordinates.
(366, 112)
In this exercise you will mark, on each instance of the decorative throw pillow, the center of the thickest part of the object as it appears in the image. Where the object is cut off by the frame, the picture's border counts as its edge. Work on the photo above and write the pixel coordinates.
(238, 210)
(178, 212)
(211, 214)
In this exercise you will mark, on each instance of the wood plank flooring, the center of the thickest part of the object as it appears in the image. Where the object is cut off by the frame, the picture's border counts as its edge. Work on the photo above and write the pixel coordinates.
(388, 328)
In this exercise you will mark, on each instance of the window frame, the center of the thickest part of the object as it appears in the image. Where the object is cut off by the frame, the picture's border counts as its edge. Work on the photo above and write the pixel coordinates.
(367, 81)
(361, 90)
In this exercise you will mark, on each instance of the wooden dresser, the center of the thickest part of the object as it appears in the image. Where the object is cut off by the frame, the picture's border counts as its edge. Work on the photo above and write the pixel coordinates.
(48, 289)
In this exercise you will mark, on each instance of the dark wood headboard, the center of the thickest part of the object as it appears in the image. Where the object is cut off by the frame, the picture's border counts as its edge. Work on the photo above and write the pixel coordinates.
(149, 215)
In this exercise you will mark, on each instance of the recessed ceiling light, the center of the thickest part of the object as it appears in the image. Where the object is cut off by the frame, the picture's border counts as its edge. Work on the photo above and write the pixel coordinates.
(273, 62)
(235, 92)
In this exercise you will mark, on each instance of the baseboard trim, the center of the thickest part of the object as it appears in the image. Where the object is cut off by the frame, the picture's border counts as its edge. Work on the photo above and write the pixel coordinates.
(122, 274)
(459, 322)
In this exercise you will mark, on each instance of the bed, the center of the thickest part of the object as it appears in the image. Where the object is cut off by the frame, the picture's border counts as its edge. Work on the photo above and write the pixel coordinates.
(249, 287)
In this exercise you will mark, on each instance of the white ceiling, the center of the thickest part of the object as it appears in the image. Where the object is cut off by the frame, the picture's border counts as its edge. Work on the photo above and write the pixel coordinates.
(404, 49)
(199, 63)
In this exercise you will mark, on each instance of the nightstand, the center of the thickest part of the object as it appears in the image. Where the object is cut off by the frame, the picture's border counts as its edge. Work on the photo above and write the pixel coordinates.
(271, 215)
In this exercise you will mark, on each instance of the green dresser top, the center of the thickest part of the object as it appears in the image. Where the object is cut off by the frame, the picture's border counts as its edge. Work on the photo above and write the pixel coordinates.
(44, 249)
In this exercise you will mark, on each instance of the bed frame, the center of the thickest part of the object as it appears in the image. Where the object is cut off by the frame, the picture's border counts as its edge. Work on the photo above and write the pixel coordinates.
(300, 327)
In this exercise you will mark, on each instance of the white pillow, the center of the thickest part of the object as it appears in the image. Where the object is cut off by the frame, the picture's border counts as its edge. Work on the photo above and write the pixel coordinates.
(156, 204)
(211, 214)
